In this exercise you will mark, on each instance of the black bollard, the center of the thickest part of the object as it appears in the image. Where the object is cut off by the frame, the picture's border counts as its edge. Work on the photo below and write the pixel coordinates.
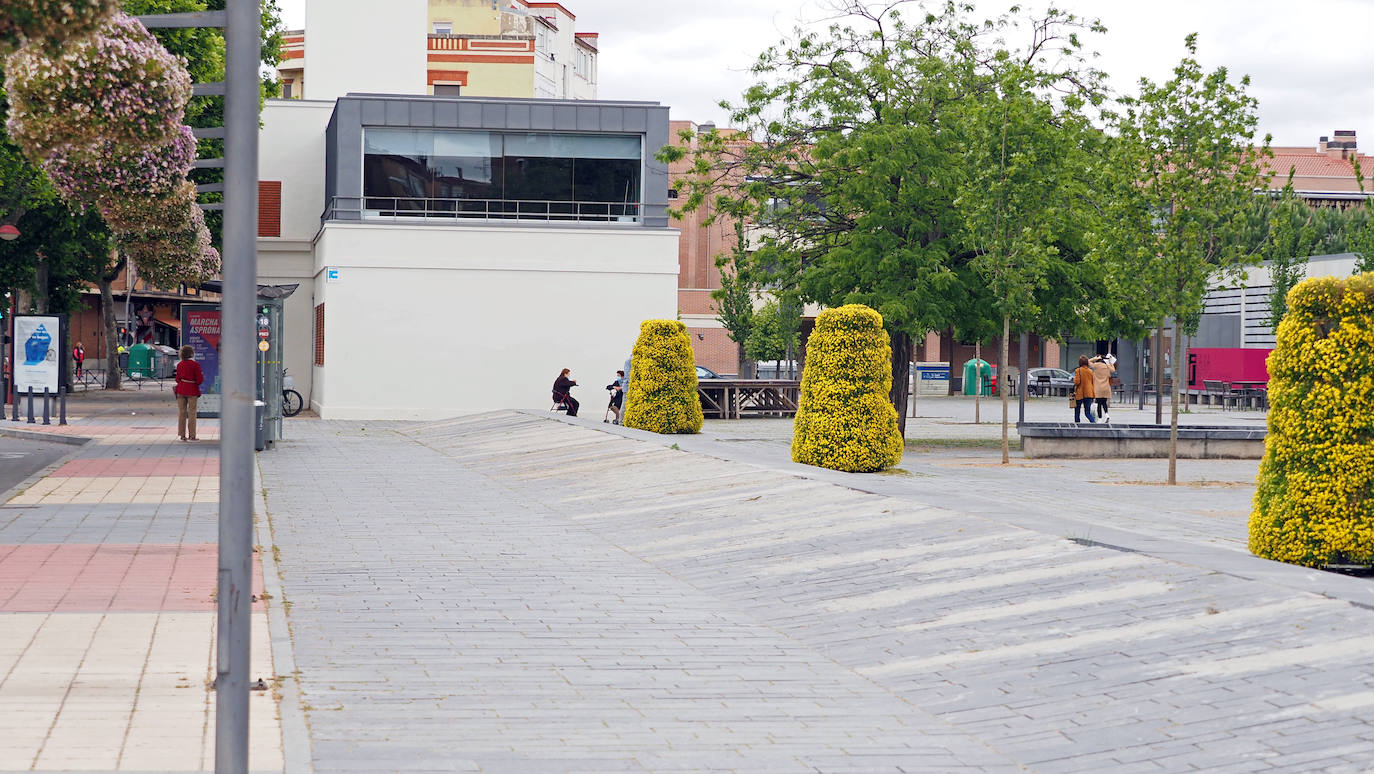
(62, 405)
(14, 406)
(31, 405)
(46, 416)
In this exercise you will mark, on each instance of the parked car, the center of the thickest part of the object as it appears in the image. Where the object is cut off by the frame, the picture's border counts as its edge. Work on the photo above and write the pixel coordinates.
(705, 373)
(1059, 379)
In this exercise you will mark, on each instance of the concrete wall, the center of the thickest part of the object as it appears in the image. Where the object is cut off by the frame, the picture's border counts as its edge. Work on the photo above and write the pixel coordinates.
(427, 321)
(292, 150)
(365, 45)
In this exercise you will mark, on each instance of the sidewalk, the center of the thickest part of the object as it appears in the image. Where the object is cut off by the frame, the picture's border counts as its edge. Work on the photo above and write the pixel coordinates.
(107, 612)
(516, 592)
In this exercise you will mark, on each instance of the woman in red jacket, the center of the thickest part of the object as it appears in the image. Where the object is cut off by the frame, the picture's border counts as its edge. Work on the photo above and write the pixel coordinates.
(189, 379)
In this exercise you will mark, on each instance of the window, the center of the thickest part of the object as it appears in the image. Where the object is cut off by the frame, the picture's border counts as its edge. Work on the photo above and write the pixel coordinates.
(448, 89)
(530, 174)
(672, 193)
(443, 28)
(319, 335)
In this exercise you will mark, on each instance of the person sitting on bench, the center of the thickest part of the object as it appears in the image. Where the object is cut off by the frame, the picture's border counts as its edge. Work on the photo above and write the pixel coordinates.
(562, 392)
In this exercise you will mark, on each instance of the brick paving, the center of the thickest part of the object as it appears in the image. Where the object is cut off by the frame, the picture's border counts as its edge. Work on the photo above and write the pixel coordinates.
(510, 592)
(107, 580)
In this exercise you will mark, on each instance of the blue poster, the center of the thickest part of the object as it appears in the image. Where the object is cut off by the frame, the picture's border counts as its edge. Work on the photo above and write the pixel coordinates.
(200, 328)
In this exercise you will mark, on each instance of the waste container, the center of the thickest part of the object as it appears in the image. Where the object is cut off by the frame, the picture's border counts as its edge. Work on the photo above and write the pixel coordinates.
(259, 425)
(977, 376)
(140, 362)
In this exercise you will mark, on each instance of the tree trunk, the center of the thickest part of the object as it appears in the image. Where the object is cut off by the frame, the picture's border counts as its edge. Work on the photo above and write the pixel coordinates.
(1002, 383)
(41, 281)
(901, 376)
(107, 317)
(747, 369)
(1173, 411)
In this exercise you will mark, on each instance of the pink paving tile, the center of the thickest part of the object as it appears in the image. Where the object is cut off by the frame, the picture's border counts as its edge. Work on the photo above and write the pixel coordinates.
(115, 578)
(146, 466)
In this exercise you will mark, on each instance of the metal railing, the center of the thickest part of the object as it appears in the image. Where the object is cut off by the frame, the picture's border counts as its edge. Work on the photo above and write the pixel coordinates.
(409, 210)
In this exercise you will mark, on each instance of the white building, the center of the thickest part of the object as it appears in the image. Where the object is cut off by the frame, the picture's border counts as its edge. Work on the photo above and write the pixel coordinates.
(454, 253)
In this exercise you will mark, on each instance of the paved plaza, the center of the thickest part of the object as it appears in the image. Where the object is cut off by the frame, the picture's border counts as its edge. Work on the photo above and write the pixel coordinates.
(521, 592)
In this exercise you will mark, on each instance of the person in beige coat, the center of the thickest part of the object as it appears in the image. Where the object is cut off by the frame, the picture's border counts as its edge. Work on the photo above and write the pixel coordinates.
(1103, 366)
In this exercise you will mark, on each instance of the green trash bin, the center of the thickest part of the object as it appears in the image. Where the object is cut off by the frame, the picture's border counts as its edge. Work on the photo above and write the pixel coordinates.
(977, 376)
(140, 362)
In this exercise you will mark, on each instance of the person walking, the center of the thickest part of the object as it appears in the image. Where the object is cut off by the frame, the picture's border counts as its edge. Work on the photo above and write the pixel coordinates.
(1103, 366)
(562, 391)
(78, 357)
(1083, 391)
(617, 390)
(189, 377)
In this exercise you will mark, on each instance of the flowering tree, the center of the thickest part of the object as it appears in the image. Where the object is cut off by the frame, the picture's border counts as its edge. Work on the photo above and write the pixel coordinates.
(117, 85)
(106, 175)
(51, 21)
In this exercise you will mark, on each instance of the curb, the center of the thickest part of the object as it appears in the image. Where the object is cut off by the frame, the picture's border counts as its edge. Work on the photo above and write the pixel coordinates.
(295, 729)
(9, 494)
(39, 435)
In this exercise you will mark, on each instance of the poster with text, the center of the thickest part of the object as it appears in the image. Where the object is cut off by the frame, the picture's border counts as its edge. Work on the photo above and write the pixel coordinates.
(37, 342)
(200, 326)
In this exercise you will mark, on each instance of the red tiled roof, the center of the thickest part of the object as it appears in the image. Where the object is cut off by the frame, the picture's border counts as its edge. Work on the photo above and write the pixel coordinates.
(1310, 163)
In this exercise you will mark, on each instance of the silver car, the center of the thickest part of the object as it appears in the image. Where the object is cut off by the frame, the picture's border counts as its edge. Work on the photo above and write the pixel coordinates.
(1046, 381)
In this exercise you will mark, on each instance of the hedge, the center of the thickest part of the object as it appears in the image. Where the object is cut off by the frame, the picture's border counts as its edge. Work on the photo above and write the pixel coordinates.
(1314, 498)
(50, 21)
(662, 396)
(845, 420)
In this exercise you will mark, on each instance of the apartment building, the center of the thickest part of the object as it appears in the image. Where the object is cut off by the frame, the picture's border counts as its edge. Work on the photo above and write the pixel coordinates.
(1324, 175)
(470, 48)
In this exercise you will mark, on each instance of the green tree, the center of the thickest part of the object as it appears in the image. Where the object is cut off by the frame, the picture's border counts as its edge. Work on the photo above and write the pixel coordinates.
(1292, 239)
(735, 300)
(1189, 171)
(1028, 166)
(859, 146)
(775, 332)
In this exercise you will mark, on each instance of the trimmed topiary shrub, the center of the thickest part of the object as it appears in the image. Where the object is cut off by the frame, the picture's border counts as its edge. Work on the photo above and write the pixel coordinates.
(845, 420)
(1314, 499)
(662, 396)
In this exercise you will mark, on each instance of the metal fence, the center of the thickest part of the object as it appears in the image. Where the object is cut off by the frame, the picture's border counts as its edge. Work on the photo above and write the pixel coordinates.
(406, 210)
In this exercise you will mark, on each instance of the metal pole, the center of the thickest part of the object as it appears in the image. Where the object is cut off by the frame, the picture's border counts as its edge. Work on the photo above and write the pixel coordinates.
(31, 406)
(61, 405)
(47, 417)
(1021, 393)
(243, 41)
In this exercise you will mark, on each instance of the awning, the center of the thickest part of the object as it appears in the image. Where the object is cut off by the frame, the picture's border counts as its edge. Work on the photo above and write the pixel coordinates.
(170, 323)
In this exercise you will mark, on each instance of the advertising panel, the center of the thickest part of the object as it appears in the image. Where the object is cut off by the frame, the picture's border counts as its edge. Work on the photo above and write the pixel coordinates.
(200, 329)
(37, 348)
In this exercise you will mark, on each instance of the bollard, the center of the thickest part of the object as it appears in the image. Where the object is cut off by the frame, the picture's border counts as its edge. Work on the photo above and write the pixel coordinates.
(30, 405)
(46, 416)
(61, 405)
(14, 406)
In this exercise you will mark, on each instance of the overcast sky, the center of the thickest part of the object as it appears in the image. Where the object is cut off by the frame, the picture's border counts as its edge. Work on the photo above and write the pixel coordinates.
(1310, 63)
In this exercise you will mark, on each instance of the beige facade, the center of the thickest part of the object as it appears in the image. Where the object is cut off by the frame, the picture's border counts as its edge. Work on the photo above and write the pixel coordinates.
(482, 48)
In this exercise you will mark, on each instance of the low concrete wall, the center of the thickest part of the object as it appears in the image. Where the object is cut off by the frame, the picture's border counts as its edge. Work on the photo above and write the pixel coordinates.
(1087, 441)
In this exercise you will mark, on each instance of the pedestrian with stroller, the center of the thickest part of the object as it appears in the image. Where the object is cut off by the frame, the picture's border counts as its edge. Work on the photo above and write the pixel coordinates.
(617, 391)
(1083, 393)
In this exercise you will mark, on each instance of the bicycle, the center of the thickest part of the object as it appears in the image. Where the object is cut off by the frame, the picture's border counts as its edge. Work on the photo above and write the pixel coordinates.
(291, 401)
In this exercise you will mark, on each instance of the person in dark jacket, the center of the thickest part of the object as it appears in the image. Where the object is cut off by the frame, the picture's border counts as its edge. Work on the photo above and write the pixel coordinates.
(189, 378)
(562, 392)
(617, 391)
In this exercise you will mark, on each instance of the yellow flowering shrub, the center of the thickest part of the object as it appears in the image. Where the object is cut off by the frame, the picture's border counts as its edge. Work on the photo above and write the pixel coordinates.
(1314, 499)
(845, 420)
(662, 396)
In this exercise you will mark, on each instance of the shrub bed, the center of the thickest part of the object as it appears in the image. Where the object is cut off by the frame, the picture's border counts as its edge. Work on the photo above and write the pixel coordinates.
(845, 420)
(662, 396)
(1314, 498)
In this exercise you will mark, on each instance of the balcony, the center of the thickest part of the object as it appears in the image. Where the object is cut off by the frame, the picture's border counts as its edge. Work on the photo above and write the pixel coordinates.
(415, 210)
